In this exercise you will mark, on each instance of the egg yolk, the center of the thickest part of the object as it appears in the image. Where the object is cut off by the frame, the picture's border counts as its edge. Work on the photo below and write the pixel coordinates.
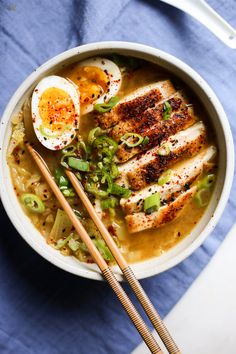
(56, 109)
(91, 80)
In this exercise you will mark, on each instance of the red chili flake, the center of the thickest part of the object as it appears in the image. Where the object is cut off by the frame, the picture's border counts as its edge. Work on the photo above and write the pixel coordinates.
(112, 230)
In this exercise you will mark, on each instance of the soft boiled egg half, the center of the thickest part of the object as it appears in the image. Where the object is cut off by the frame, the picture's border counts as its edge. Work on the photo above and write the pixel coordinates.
(98, 80)
(55, 108)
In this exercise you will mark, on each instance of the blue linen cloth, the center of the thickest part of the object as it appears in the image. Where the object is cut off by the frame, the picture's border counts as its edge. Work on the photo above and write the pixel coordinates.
(46, 310)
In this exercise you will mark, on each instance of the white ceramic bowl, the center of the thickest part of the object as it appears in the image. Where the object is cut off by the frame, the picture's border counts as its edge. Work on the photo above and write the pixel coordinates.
(218, 120)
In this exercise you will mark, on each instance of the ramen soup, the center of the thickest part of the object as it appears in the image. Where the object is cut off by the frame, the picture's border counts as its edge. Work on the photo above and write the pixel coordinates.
(137, 140)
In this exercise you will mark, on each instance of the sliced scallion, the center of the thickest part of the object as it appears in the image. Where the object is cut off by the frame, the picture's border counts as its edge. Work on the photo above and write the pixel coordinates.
(78, 164)
(164, 150)
(120, 191)
(65, 157)
(167, 109)
(105, 141)
(106, 107)
(69, 192)
(145, 140)
(165, 177)
(93, 134)
(152, 203)
(69, 148)
(132, 139)
(33, 203)
(109, 203)
(114, 171)
(92, 188)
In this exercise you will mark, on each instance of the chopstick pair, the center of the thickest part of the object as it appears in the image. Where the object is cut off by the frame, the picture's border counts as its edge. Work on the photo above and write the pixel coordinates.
(105, 269)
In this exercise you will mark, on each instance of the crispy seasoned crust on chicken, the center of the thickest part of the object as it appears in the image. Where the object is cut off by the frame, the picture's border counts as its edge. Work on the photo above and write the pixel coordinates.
(182, 177)
(166, 214)
(148, 118)
(180, 119)
(175, 145)
(133, 105)
(189, 143)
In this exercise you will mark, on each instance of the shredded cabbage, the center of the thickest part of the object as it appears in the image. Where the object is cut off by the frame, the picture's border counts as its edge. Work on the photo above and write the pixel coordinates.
(62, 226)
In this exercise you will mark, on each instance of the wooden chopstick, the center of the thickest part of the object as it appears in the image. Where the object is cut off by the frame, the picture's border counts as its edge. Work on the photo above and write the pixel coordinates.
(125, 268)
(106, 271)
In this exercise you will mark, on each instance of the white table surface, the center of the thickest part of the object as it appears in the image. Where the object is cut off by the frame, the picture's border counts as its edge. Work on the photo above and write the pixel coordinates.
(204, 320)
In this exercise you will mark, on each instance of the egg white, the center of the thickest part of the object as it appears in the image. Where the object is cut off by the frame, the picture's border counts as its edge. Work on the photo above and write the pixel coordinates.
(59, 141)
(113, 76)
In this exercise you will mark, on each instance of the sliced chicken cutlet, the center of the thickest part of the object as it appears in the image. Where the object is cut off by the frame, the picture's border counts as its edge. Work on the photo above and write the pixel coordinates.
(182, 177)
(180, 118)
(165, 214)
(141, 171)
(147, 118)
(189, 143)
(136, 103)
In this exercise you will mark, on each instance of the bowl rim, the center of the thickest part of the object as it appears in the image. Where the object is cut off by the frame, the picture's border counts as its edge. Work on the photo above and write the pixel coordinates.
(168, 58)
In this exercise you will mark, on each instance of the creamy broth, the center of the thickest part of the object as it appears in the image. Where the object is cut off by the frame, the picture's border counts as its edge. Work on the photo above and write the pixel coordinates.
(136, 246)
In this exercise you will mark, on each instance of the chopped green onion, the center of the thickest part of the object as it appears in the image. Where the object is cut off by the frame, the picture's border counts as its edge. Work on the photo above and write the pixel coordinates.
(109, 203)
(60, 178)
(77, 213)
(121, 191)
(105, 141)
(93, 134)
(82, 146)
(69, 192)
(62, 188)
(114, 170)
(33, 203)
(105, 107)
(132, 139)
(207, 181)
(62, 242)
(64, 184)
(167, 109)
(152, 203)
(107, 179)
(78, 164)
(70, 148)
(165, 177)
(103, 249)
(202, 197)
(78, 175)
(74, 245)
(164, 150)
(93, 189)
(100, 165)
(145, 140)
(95, 178)
(65, 157)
